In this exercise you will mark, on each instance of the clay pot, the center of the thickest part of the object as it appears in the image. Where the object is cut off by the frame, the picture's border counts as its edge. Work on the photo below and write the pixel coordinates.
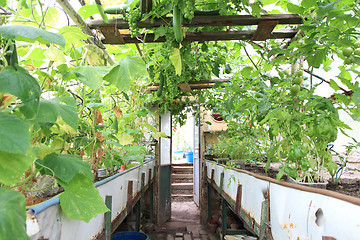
(212, 225)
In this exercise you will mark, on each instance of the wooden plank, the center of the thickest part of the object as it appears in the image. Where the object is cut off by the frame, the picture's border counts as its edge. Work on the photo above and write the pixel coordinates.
(195, 84)
(208, 36)
(202, 21)
(184, 87)
(264, 30)
(112, 34)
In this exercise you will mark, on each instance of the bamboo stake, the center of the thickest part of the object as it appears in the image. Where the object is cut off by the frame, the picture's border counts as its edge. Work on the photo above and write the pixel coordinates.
(77, 19)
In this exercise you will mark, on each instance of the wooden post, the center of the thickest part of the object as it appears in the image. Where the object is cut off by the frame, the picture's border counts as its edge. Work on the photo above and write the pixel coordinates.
(108, 203)
(264, 219)
(223, 217)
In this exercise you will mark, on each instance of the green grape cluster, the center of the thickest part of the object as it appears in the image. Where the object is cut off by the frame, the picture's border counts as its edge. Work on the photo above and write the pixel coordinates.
(133, 17)
(189, 8)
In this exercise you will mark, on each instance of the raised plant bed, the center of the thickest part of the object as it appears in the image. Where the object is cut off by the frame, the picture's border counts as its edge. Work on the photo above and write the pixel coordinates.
(281, 210)
(47, 221)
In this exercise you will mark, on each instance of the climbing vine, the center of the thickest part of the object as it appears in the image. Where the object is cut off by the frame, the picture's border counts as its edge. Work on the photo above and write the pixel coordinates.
(64, 105)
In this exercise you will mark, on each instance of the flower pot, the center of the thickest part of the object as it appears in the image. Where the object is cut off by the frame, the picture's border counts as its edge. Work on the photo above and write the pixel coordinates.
(102, 173)
(130, 236)
(212, 224)
(122, 168)
(190, 157)
(217, 117)
(221, 160)
(321, 185)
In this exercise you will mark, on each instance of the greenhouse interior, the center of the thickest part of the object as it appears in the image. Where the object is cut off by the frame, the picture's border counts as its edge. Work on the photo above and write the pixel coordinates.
(180, 119)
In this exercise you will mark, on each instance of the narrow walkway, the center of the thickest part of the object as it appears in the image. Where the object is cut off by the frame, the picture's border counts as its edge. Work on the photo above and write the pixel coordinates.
(183, 225)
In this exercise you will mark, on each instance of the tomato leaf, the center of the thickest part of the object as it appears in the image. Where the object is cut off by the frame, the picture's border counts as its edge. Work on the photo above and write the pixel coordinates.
(356, 96)
(31, 34)
(12, 215)
(175, 59)
(295, 8)
(14, 134)
(334, 85)
(317, 59)
(66, 166)
(22, 85)
(81, 200)
(124, 71)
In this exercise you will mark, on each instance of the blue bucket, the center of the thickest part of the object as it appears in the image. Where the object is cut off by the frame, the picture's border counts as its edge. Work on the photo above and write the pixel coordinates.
(190, 157)
(130, 236)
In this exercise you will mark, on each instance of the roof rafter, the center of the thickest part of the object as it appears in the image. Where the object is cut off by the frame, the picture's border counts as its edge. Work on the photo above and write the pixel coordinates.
(113, 30)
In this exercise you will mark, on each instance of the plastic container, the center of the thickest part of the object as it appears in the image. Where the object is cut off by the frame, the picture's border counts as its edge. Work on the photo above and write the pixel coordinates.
(130, 236)
(178, 154)
(190, 157)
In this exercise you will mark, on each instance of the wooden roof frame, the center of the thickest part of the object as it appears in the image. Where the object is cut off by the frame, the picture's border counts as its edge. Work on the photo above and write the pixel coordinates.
(187, 87)
(265, 28)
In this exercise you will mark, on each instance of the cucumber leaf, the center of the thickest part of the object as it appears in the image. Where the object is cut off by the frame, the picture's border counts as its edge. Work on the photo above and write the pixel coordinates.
(31, 34)
(81, 200)
(12, 215)
(66, 166)
(21, 84)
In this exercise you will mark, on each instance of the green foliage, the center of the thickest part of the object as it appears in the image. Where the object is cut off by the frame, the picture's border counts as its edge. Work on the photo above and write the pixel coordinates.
(81, 200)
(21, 84)
(66, 166)
(14, 134)
(31, 34)
(50, 110)
(127, 69)
(13, 166)
(12, 215)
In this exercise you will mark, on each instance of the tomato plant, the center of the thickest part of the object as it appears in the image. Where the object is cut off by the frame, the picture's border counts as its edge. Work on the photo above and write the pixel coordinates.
(69, 102)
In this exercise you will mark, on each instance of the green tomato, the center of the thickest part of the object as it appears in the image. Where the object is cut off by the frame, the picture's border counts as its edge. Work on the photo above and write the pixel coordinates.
(357, 44)
(298, 81)
(349, 60)
(357, 52)
(299, 73)
(294, 90)
(347, 51)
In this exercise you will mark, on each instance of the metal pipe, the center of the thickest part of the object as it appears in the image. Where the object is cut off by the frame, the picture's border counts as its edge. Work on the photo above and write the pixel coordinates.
(77, 19)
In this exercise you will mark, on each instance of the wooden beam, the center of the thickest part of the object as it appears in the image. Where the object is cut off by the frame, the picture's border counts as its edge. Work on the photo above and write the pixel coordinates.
(202, 21)
(207, 36)
(264, 30)
(184, 87)
(193, 85)
(112, 34)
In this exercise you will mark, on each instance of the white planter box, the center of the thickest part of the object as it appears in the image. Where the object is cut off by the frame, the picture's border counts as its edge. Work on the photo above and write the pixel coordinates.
(296, 212)
(50, 222)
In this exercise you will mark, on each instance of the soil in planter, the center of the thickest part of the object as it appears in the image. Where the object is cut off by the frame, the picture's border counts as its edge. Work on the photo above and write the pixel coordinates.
(351, 189)
(347, 188)
(261, 171)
